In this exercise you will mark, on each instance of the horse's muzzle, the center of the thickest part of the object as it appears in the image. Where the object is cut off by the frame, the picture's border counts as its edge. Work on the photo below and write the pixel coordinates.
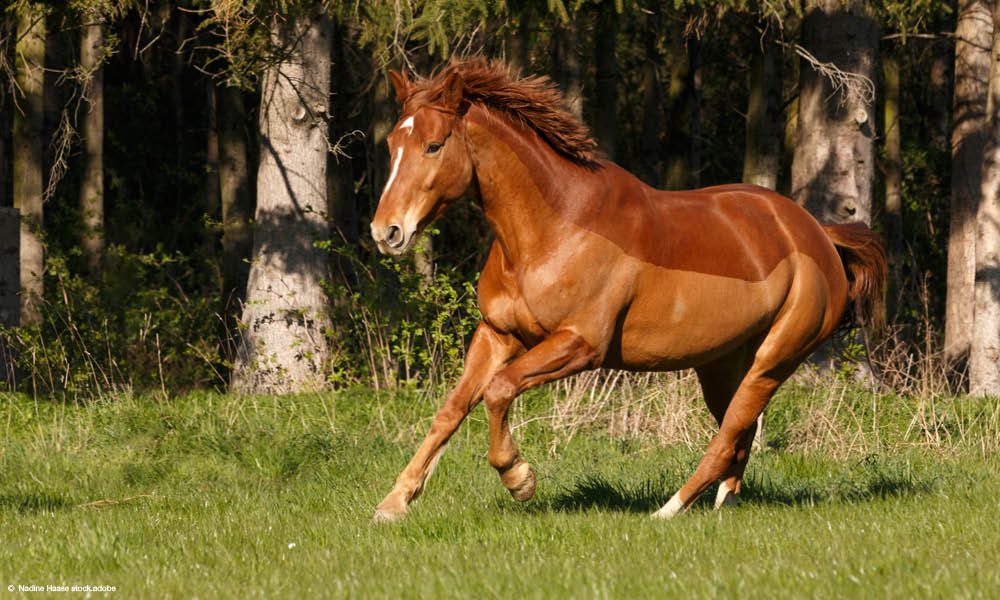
(391, 239)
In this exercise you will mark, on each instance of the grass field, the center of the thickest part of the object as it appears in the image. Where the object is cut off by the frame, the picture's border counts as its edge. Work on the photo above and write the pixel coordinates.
(219, 496)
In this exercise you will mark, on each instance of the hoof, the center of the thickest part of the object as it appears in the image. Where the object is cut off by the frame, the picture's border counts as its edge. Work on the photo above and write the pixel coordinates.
(669, 510)
(391, 508)
(387, 516)
(520, 481)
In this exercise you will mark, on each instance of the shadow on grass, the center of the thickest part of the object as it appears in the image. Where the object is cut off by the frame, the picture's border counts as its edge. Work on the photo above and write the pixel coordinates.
(26, 503)
(594, 492)
(858, 483)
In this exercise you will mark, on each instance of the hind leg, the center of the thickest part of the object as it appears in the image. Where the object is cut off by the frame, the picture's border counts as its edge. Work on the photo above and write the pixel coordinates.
(727, 453)
(805, 320)
(720, 380)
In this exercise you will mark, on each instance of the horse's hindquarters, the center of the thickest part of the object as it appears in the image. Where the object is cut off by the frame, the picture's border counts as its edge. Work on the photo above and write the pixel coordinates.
(680, 319)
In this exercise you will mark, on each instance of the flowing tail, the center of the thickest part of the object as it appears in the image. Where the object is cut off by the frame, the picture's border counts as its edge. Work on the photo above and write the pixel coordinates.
(867, 269)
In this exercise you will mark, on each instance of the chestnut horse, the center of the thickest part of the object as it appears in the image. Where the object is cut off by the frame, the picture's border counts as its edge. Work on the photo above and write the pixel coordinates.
(592, 268)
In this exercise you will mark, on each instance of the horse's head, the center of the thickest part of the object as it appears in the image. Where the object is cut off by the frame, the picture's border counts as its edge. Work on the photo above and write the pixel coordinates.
(430, 162)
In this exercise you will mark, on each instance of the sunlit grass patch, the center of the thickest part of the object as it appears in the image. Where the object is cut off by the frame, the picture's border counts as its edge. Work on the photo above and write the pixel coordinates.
(221, 496)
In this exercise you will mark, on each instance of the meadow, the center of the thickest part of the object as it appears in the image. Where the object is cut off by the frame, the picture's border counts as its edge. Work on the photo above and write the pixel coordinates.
(857, 494)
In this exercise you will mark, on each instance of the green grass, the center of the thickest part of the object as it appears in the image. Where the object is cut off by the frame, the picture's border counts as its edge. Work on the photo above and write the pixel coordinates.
(219, 496)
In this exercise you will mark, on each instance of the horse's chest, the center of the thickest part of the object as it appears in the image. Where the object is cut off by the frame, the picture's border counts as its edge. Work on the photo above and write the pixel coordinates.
(506, 309)
(533, 302)
(528, 303)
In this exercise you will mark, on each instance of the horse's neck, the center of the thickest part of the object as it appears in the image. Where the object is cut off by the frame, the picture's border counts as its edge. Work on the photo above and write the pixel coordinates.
(515, 171)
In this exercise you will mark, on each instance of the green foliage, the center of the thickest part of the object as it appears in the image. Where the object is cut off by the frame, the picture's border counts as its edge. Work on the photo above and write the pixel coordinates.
(396, 326)
(136, 328)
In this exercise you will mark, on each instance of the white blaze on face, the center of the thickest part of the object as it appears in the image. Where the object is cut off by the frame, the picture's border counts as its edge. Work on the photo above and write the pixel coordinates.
(395, 169)
(407, 126)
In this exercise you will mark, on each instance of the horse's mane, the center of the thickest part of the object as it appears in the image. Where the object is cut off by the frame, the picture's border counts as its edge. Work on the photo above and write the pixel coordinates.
(533, 101)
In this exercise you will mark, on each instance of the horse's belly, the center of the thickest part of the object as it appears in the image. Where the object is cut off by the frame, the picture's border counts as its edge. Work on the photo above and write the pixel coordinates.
(681, 319)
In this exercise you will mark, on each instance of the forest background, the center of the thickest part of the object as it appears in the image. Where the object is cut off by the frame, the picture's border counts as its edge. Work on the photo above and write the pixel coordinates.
(138, 141)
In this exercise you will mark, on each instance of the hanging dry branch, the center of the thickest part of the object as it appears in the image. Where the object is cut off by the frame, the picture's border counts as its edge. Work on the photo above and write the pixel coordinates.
(849, 84)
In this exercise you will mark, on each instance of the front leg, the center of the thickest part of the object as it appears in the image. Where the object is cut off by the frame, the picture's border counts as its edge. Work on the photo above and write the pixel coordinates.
(562, 353)
(488, 352)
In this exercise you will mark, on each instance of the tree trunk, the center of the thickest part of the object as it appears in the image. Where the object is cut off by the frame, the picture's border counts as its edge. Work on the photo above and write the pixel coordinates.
(340, 175)
(565, 52)
(942, 61)
(92, 184)
(234, 193)
(833, 167)
(973, 37)
(211, 190)
(984, 356)
(762, 156)
(606, 84)
(382, 119)
(10, 286)
(286, 317)
(893, 171)
(177, 85)
(27, 141)
(697, 97)
(651, 141)
(518, 41)
(7, 31)
(678, 109)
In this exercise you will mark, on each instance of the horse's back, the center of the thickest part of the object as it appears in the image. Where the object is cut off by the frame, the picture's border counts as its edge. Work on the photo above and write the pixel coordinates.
(739, 231)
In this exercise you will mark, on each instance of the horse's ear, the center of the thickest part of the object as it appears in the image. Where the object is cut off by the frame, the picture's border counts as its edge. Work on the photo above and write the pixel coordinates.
(453, 92)
(401, 83)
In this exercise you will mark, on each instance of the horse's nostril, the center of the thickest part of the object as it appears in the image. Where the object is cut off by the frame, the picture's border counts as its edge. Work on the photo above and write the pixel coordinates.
(394, 236)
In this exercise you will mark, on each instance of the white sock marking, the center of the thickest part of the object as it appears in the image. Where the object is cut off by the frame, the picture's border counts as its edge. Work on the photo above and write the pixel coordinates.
(670, 509)
(725, 496)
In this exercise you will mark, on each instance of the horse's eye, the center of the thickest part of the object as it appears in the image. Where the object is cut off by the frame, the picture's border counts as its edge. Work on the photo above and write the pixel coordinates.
(434, 147)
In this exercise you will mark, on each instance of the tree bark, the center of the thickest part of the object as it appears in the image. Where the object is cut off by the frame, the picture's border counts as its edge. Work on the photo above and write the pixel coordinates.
(762, 156)
(651, 142)
(340, 175)
(211, 186)
(518, 40)
(566, 71)
(234, 194)
(679, 102)
(893, 171)
(973, 37)
(833, 168)
(697, 98)
(984, 355)
(10, 286)
(8, 31)
(29, 67)
(92, 184)
(942, 60)
(286, 318)
(606, 84)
